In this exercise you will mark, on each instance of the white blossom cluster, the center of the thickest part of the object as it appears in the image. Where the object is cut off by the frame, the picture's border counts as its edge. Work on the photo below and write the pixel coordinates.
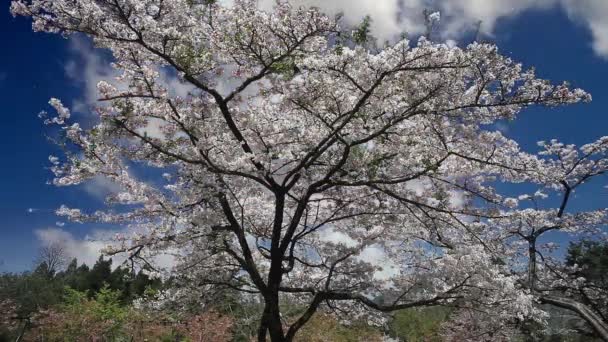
(304, 165)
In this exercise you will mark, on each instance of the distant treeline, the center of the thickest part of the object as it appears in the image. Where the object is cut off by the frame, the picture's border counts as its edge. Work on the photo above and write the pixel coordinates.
(81, 303)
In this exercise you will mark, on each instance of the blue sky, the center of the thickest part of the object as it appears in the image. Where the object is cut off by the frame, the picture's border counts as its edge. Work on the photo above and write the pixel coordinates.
(37, 66)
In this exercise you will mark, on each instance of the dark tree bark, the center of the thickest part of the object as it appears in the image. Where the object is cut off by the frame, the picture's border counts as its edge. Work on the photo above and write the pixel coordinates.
(600, 326)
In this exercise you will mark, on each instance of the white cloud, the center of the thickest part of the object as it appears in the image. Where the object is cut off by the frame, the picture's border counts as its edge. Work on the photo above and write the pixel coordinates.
(387, 19)
(88, 249)
(100, 187)
(457, 199)
(87, 67)
(174, 85)
(502, 126)
(463, 15)
(386, 15)
(329, 234)
(593, 14)
(153, 129)
(390, 18)
(418, 186)
(376, 255)
(373, 254)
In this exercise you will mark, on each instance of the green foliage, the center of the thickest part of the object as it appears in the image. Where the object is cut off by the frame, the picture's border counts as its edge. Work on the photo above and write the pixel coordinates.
(43, 270)
(100, 274)
(75, 277)
(30, 291)
(339, 49)
(83, 279)
(323, 328)
(5, 335)
(107, 305)
(173, 336)
(357, 152)
(592, 258)
(82, 302)
(79, 316)
(41, 290)
(361, 34)
(287, 68)
(419, 324)
(245, 314)
(320, 328)
(189, 57)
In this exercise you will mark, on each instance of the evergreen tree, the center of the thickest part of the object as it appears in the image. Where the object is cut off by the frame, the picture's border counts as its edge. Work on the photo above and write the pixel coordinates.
(99, 274)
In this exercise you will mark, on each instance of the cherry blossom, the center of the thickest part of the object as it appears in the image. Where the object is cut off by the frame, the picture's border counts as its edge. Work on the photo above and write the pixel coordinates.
(301, 158)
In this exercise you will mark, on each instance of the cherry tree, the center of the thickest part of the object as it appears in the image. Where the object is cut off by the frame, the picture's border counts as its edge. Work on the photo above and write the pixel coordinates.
(529, 246)
(567, 168)
(474, 326)
(306, 163)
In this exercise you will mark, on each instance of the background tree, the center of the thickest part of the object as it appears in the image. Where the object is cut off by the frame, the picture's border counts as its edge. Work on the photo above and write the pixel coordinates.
(568, 168)
(76, 277)
(590, 260)
(51, 257)
(293, 159)
(587, 266)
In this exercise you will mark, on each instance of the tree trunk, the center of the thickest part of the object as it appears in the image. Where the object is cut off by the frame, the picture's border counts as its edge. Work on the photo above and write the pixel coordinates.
(271, 321)
(22, 332)
(532, 264)
(600, 327)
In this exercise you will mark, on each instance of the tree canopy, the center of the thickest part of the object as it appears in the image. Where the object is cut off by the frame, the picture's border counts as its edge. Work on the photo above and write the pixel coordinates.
(306, 163)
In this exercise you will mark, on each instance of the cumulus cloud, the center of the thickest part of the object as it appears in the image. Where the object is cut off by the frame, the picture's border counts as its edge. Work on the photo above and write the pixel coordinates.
(100, 187)
(387, 16)
(88, 249)
(86, 68)
(373, 254)
(376, 255)
(175, 86)
(593, 14)
(462, 14)
(390, 18)
(329, 234)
